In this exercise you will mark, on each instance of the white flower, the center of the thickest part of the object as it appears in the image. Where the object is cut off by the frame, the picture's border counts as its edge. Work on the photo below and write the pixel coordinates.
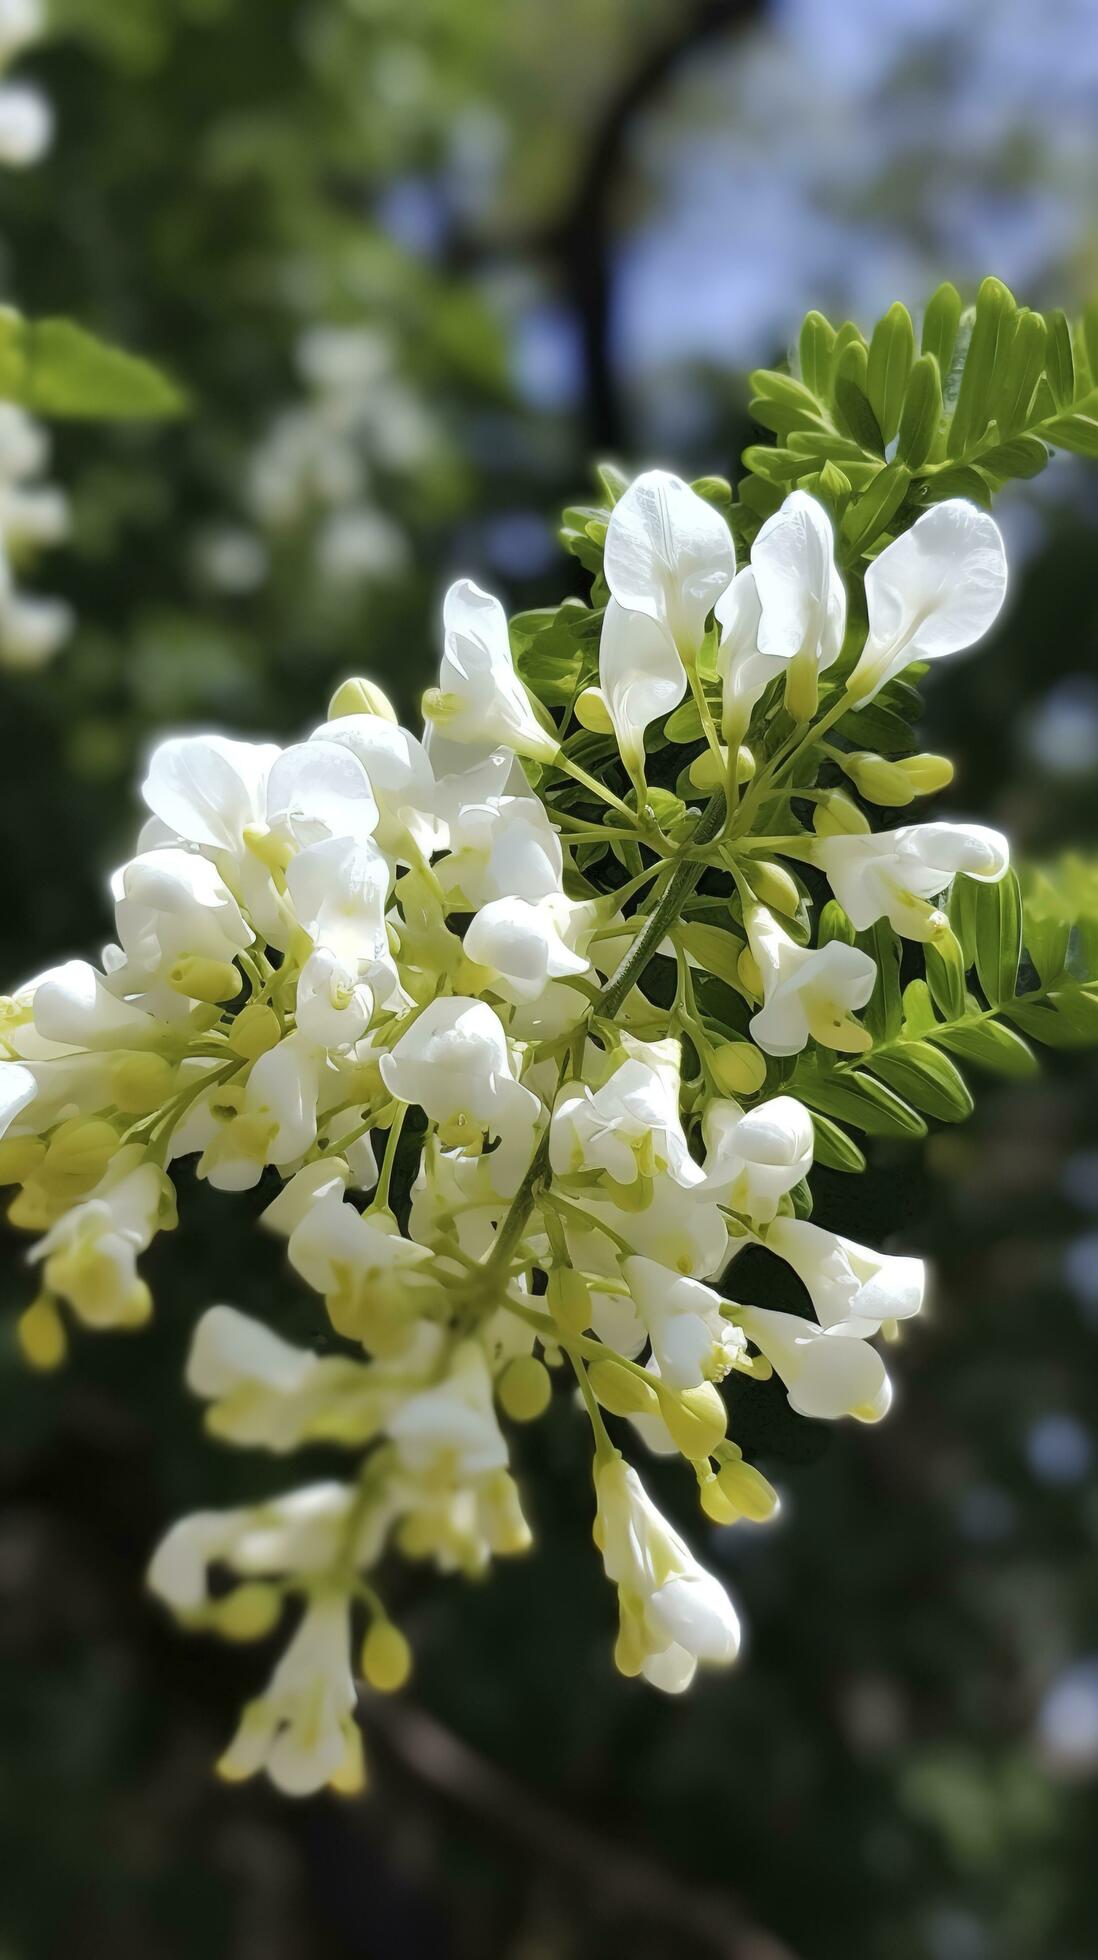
(479, 697)
(630, 1127)
(281, 1095)
(850, 1285)
(332, 1008)
(673, 1613)
(402, 780)
(89, 1258)
(302, 1730)
(172, 905)
(802, 603)
(935, 590)
(502, 847)
(525, 946)
(300, 1533)
(368, 1272)
(754, 1157)
(641, 677)
(267, 1393)
(18, 1087)
(894, 873)
(74, 1007)
(451, 1430)
(26, 125)
(21, 21)
(338, 889)
(744, 671)
(453, 1062)
(691, 1341)
(808, 992)
(691, 1239)
(827, 1371)
(209, 789)
(669, 555)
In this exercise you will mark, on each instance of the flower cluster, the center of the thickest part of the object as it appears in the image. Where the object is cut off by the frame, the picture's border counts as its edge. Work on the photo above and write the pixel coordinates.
(519, 1050)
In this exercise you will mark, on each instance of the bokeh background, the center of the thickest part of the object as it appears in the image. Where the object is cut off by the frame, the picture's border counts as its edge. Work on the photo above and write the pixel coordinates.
(417, 262)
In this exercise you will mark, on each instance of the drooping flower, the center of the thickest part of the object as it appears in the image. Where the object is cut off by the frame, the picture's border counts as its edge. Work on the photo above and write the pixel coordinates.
(673, 1614)
(691, 1341)
(453, 1062)
(808, 992)
(668, 556)
(641, 676)
(630, 1127)
(827, 1371)
(302, 1731)
(850, 1285)
(893, 873)
(754, 1157)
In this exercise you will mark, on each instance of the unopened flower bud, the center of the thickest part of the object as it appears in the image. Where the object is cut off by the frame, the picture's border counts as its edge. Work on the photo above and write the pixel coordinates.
(774, 886)
(20, 1157)
(696, 1418)
(738, 1068)
(593, 713)
(248, 1613)
(524, 1389)
(255, 1030)
(927, 773)
(141, 1083)
(386, 1658)
(81, 1148)
(206, 980)
(747, 1490)
(360, 697)
(715, 1504)
(569, 1299)
(878, 779)
(621, 1391)
(40, 1330)
(837, 815)
(748, 971)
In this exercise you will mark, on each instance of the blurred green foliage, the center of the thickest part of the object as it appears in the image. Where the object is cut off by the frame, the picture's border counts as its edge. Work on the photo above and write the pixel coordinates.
(901, 1768)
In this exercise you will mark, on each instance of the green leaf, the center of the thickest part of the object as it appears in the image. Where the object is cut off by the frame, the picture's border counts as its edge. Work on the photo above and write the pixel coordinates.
(879, 728)
(1018, 373)
(945, 977)
(990, 1045)
(54, 367)
(1059, 359)
(857, 1098)
(817, 345)
(926, 1079)
(874, 510)
(834, 924)
(833, 1147)
(684, 724)
(1025, 456)
(1077, 431)
(962, 916)
(884, 1014)
(1068, 1019)
(999, 937)
(891, 353)
(940, 323)
(921, 413)
(964, 481)
(992, 328)
(919, 1015)
(852, 404)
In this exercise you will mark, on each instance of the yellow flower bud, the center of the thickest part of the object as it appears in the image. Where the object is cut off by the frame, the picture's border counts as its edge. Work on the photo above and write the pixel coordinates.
(32, 1209)
(248, 1613)
(255, 1030)
(774, 886)
(707, 771)
(837, 815)
(927, 773)
(715, 1504)
(569, 1300)
(696, 1418)
(41, 1334)
(141, 1083)
(360, 697)
(747, 1490)
(738, 1068)
(879, 780)
(206, 980)
(386, 1658)
(748, 971)
(525, 1389)
(593, 713)
(20, 1157)
(81, 1149)
(621, 1391)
